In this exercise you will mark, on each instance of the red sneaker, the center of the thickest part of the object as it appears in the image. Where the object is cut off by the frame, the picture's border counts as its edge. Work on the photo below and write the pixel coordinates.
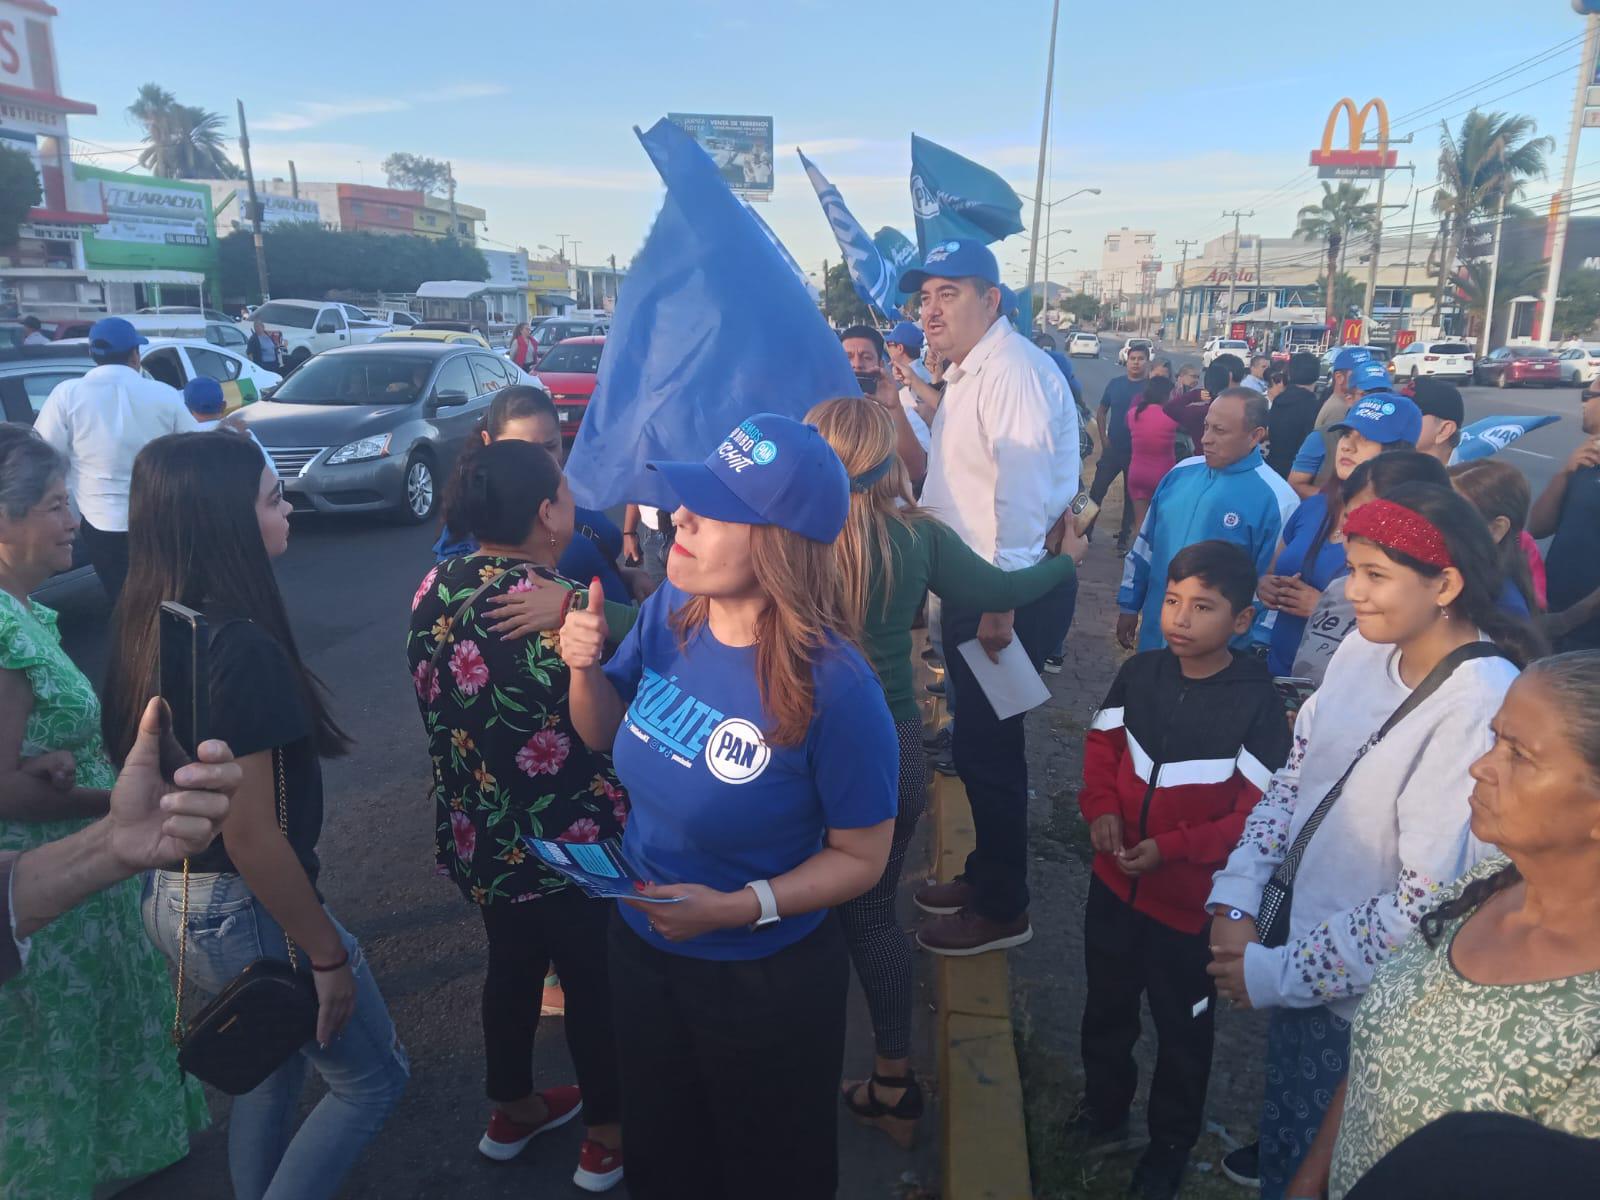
(506, 1138)
(599, 1167)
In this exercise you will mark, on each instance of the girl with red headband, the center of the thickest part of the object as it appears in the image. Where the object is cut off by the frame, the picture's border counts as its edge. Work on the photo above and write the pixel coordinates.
(1368, 820)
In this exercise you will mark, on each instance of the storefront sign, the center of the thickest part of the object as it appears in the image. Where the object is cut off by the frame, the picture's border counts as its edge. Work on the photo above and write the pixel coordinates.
(1350, 334)
(1223, 275)
(287, 210)
(1403, 339)
(47, 232)
(1355, 162)
(152, 215)
(507, 268)
(1236, 331)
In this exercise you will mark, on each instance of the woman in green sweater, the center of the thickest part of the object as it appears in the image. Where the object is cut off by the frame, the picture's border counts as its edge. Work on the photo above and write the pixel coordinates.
(890, 555)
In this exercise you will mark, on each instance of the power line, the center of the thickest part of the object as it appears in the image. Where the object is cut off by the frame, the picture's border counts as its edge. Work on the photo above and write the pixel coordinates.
(1517, 68)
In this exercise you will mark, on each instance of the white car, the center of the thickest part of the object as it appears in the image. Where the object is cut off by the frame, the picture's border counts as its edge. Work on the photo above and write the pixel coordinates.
(177, 360)
(1580, 366)
(309, 327)
(1237, 347)
(1144, 344)
(1083, 345)
(1445, 360)
(399, 318)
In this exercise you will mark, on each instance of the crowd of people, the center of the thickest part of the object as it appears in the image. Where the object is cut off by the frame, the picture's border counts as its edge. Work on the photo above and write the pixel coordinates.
(1342, 777)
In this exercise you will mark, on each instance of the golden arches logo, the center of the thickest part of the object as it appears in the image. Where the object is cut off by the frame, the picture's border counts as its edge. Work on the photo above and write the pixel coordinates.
(1358, 123)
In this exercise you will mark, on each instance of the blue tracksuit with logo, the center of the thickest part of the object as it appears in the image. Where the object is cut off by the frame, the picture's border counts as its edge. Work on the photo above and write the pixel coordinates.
(1247, 503)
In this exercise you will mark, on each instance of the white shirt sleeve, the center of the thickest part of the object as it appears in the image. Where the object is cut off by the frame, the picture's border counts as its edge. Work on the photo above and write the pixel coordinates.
(1020, 421)
(919, 427)
(1339, 957)
(51, 425)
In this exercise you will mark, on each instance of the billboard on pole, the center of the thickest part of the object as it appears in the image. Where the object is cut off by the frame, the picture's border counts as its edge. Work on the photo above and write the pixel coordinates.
(740, 146)
(155, 215)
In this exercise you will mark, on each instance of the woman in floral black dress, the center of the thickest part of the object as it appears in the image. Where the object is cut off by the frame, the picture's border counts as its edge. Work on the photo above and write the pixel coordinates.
(507, 764)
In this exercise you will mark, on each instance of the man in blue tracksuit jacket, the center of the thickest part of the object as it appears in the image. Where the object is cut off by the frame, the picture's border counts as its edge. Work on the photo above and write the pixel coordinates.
(1228, 492)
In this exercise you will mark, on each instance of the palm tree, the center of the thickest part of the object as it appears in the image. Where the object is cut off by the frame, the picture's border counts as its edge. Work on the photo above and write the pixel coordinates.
(1340, 214)
(1483, 166)
(182, 141)
(1515, 279)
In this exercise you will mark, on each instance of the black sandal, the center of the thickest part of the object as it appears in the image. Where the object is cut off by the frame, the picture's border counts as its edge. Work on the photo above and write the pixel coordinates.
(898, 1120)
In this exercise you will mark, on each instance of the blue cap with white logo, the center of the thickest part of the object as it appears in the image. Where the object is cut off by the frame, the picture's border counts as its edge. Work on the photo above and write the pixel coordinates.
(1384, 417)
(771, 470)
(960, 258)
(113, 335)
(906, 334)
(1369, 375)
(1347, 358)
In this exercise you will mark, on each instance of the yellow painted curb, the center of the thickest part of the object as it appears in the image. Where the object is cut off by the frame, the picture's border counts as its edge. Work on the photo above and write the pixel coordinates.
(985, 1147)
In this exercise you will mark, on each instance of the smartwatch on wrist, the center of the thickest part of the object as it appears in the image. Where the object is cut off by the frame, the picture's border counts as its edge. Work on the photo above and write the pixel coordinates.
(769, 904)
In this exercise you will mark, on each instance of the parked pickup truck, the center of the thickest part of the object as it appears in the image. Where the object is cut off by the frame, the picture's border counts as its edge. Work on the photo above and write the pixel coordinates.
(309, 327)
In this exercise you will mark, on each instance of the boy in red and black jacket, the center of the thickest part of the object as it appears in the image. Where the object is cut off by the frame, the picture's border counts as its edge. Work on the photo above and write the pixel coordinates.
(1175, 760)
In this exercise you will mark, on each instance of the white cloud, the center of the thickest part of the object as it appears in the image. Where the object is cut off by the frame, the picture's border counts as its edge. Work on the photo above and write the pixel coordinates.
(310, 113)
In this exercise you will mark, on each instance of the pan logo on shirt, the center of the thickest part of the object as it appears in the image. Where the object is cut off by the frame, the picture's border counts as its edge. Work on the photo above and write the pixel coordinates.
(1230, 520)
(736, 752)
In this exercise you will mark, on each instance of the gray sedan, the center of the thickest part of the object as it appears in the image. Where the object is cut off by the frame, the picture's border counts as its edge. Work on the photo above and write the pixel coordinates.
(375, 428)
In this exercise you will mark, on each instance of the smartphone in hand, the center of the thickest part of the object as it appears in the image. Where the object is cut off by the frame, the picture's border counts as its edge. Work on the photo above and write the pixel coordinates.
(186, 673)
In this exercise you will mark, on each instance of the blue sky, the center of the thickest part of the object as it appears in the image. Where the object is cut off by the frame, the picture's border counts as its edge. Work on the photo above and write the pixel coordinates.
(1176, 110)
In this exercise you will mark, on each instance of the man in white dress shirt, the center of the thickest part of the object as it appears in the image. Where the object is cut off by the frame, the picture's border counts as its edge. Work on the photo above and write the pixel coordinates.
(99, 423)
(1002, 468)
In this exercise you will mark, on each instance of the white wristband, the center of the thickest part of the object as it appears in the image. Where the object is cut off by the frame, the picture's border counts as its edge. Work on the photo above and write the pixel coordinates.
(768, 902)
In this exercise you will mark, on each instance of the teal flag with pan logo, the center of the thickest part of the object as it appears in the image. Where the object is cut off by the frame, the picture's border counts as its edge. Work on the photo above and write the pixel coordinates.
(871, 273)
(712, 325)
(954, 197)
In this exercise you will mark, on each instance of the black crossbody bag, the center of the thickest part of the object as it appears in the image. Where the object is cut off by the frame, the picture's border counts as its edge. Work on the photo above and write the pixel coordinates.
(1272, 921)
(265, 1014)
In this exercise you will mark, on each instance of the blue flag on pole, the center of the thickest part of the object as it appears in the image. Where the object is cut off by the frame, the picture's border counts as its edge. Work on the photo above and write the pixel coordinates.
(1492, 434)
(870, 273)
(810, 288)
(954, 197)
(711, 326)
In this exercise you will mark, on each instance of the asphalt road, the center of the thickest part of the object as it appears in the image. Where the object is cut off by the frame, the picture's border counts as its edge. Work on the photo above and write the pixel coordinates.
(348, 584)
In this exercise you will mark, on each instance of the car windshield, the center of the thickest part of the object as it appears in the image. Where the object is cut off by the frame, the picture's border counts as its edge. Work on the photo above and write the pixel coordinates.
(1234, 345)
(582, 359)
(1534, 353)
(358, 379)
(292, 315)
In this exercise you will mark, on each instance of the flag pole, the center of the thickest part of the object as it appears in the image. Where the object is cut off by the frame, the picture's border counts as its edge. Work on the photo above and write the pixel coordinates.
(1044, 145)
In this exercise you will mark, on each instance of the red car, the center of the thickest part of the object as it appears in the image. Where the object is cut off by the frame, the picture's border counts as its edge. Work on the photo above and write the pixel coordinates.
(568, 371)
(1518, 366)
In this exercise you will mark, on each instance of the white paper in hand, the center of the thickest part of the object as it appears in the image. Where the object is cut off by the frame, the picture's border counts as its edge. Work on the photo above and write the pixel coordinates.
(1012, 685)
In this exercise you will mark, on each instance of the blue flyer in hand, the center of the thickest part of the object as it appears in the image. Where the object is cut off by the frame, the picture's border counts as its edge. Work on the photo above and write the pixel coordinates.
(599, 868)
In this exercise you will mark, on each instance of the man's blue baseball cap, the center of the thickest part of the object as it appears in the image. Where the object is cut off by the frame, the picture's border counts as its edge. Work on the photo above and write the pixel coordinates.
(1347, 358)
(771, 470)
(1384, 417)
(908, 335)
(203, 395)
(1369, 376)
(113, 335)
(956, 259)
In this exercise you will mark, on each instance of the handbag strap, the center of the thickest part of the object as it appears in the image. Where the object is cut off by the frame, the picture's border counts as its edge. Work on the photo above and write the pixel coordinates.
(461, 609)
(280, 786)
(1290, 866)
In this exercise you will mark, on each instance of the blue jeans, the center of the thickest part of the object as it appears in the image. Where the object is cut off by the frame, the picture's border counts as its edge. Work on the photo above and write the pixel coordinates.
(365, 1067)
(654, 546)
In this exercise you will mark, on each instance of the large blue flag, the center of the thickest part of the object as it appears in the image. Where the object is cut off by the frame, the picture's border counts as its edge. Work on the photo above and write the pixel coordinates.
(954, 197)
(1493, 434)
(872, 275)
(811, 289)
(711, 325)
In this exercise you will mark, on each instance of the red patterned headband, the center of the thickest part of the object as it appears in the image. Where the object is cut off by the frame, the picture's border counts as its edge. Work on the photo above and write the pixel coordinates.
(1396, 527)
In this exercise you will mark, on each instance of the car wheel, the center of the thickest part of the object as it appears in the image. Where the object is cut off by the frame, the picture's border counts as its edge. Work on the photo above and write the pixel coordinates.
(419, 498)
(298, 358)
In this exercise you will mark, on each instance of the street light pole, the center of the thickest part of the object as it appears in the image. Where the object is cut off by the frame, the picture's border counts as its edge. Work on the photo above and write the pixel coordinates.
(255, 206)
(1233, 271)
(1494, 277)
(1558, 247)
(1183, 271)
(1044, 145)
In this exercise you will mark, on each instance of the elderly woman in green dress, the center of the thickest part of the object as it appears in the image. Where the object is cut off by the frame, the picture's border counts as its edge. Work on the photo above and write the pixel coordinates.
(1494, 1005)
(89, 1089)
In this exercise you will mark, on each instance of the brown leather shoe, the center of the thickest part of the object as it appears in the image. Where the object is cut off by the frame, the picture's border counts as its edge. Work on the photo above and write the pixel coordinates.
(965, 933)
(941, 899)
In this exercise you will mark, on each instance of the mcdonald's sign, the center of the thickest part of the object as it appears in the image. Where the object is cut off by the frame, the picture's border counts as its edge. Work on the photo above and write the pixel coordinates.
(1355, 161)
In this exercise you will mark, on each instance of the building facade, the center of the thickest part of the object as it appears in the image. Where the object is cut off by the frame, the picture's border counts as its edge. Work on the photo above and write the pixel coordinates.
(157, 245)
(1128, 262)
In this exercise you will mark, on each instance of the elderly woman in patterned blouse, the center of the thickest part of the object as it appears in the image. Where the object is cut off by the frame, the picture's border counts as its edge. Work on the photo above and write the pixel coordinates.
(1495, 1007)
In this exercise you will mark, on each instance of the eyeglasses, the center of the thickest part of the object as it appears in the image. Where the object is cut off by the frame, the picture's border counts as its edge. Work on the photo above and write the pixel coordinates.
(277, 492)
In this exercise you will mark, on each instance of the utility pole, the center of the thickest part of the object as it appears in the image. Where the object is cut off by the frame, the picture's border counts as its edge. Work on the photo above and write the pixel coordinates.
(294, 181)
(1494, 276)
(562, 254)
(1183, 272)
(1377, 237)
(1256, 289)
(1405, 278)
(255, 206)
(1044, 145)
(825, 316)
(1233, 272)
(616, 283)
(455, 220)
(1552, 284)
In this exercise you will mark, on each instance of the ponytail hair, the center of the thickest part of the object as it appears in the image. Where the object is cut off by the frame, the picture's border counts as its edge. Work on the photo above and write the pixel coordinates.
(1498, 489)
(1472, 551)
(1156, 391)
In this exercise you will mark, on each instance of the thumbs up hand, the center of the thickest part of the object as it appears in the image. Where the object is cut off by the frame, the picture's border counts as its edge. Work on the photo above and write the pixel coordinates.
(584, 632)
